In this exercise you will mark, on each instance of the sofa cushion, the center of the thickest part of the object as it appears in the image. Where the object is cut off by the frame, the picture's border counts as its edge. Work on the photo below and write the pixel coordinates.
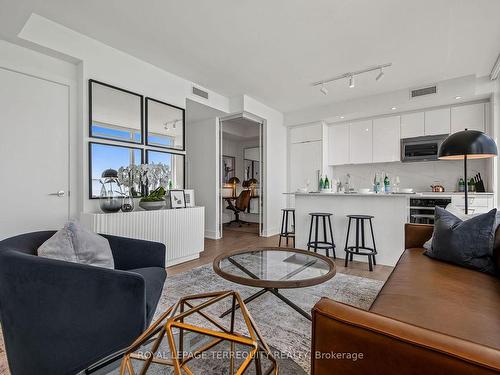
(442, 297)
(154, 278)
(74, 243)
(467, 243)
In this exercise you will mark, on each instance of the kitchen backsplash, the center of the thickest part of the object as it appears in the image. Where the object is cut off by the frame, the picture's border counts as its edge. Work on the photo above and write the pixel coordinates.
(418, 176)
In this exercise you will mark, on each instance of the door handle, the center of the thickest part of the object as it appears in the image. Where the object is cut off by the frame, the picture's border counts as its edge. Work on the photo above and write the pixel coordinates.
(60, 193)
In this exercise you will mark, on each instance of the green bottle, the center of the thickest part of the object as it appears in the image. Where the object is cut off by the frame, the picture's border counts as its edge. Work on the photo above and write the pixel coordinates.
(321, 183)
(387, 184)
(327, 183)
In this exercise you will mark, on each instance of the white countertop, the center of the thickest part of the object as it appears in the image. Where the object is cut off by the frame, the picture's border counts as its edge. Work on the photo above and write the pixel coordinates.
(392, 195)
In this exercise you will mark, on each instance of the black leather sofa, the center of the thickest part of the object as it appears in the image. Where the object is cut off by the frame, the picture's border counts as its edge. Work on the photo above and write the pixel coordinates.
(59, 317)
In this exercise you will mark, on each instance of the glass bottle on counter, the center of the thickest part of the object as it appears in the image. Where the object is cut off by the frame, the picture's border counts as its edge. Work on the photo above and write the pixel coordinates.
(461, 185)
(327, 183)
(387, 184)
(321, 183)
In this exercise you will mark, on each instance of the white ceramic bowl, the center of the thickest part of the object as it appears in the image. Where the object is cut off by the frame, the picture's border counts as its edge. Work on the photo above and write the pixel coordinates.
(364, 191)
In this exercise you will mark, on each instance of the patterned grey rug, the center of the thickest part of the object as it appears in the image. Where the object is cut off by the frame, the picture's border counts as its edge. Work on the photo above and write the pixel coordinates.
(282, 327)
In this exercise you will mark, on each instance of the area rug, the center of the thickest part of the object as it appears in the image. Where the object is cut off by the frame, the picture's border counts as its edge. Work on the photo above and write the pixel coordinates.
(282, 327)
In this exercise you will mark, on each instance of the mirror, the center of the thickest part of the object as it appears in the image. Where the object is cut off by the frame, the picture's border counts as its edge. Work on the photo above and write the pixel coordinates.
(115, 113)
(174, 164)
(164, 125)
(104, 156)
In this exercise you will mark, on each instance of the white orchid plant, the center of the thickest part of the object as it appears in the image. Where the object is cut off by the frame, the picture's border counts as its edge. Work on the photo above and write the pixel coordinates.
(146, 177)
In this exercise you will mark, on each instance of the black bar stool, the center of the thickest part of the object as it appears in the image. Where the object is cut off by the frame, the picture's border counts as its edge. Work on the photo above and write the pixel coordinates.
(370, 252)
(285, 232)
(326, 244)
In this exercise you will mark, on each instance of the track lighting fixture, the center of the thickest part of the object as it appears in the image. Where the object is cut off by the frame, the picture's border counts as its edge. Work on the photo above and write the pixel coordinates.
(350, 76)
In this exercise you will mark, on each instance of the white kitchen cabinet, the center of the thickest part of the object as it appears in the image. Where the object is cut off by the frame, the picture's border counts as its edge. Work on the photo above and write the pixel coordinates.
(437, 121)
(361, 142)
(412, 125)
(338, 144)
(477, 204)
(470, 116)
(386, 139)
(306, 133)
(305, 165)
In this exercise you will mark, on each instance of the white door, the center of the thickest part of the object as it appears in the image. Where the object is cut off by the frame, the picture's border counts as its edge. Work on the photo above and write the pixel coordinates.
(360, 142)
(305, 164)
(437, 121)
(386, 139)
(338, 144)
(469, 116)
(34, 153)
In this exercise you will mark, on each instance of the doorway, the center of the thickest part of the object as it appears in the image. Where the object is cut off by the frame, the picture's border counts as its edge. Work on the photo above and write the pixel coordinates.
(241, 177)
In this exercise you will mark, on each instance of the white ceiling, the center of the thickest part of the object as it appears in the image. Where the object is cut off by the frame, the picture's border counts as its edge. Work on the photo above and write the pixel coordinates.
(272, 50)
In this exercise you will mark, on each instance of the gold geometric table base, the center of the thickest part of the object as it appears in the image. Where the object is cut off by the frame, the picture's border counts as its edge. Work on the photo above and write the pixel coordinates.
(175, 319)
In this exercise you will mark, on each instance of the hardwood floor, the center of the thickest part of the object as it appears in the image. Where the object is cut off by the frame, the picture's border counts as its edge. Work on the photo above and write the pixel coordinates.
(235, 239)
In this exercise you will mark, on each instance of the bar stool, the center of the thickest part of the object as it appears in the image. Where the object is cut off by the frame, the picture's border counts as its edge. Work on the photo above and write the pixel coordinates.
(285, 233)
(370, 252)
(326, 244)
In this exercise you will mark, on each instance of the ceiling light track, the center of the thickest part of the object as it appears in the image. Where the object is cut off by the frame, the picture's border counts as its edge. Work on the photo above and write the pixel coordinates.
(351, 76)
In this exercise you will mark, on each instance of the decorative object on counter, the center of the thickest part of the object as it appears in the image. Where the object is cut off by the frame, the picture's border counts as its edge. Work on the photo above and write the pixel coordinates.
(466, 144)
(154, 200)
(234, 181)
(111, 197)
(478, 183)
(387, 184)
(324, 185)
(437, 188)
(177, 199)
(189, 342)
(461, 185)
(471, 186)
(128, 204)
(397, 183)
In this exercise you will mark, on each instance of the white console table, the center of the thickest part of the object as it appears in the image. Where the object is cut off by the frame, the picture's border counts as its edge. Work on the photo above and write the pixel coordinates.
(181, 230)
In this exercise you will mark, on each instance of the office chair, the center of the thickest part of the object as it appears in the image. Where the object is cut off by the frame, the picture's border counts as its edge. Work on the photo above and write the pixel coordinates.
(241, 205)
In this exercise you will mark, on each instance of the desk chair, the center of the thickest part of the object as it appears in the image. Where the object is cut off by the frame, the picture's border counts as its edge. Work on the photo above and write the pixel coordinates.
(241, 205)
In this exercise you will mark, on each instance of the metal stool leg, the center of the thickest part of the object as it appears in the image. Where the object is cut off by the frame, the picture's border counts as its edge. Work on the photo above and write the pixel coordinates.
(373, 240)
(310, 234)
(331, 237)
(347, 241)
(286, 227)
(293, 218)
(327, 251)
(282, 223)
(316, 235)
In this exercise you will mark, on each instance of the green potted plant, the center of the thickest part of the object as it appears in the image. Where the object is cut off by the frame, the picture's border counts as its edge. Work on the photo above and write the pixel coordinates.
(155, 200)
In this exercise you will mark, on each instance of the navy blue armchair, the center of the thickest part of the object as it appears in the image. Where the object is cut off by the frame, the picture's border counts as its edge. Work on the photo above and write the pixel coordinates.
(59, 317)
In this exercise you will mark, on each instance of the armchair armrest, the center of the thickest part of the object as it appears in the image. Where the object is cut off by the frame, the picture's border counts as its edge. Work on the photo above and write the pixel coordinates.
(417, 234)
(60, 317)
(129, 253)
(380, 345)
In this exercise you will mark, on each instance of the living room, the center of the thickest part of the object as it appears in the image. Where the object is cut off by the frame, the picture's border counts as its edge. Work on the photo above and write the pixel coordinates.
(249, 187)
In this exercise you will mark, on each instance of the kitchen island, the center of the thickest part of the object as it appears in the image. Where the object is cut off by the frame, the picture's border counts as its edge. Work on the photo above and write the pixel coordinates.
(390, 213)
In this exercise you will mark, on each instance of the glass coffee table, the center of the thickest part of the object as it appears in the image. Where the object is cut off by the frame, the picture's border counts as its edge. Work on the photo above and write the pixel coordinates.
(274, 268)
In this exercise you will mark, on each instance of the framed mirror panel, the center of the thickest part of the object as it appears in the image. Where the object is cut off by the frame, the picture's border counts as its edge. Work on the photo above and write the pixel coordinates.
(174, 163)
(165, 125)
(105, 156)
(115, 113)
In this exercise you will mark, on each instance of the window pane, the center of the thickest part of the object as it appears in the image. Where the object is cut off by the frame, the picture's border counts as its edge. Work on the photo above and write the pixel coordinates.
(173, 162)
(103, 157)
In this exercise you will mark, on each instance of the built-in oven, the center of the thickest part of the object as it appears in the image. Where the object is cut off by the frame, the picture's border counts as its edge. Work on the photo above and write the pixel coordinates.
(421, 148)
(422, 209)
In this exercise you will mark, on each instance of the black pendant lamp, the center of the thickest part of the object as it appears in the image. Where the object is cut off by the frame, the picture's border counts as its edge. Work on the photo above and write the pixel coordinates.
(467, 144)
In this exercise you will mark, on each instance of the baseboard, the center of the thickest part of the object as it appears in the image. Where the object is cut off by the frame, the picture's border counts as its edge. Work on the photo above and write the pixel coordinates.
(211, 234)
(271, 232)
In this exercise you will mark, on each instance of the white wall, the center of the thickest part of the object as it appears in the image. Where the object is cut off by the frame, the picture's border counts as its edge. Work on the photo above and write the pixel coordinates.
(274, 163)
(106, 64)
(202, 140)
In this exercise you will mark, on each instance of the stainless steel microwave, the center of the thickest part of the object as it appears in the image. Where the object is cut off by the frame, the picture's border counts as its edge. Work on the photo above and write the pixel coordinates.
(421, 148)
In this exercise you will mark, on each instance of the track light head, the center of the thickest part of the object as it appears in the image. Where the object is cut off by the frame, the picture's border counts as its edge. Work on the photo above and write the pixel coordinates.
(323, 89)
(379, 75)
(351, 81)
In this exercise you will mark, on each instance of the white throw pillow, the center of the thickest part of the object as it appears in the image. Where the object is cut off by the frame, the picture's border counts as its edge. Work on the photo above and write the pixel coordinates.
(74, 243)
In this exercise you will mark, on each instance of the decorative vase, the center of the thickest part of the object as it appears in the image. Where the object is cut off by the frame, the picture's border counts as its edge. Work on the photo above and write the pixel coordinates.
(111, 197)
(152, 205)
(128, 204)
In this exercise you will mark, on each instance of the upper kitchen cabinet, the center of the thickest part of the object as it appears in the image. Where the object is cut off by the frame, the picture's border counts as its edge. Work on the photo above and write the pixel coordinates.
(412, 125)
(437, 121)
(361, 142)
(306, 133)
(338, 144)
(386, 139)
(470, 116)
